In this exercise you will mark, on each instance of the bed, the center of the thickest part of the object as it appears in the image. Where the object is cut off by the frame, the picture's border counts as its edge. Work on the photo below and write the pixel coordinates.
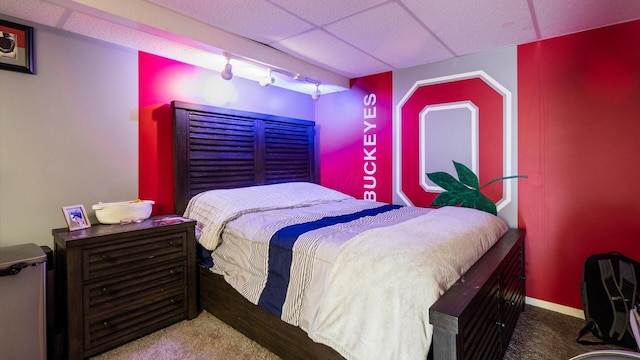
(222, 149)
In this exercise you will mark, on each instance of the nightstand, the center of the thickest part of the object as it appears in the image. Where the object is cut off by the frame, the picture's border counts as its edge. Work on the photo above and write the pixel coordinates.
(116, 283)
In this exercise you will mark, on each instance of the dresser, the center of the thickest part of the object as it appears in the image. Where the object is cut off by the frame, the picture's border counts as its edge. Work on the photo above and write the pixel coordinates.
(116, 283)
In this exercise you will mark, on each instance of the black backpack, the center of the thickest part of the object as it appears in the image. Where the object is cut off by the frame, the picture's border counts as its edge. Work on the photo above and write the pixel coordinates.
(609, 290)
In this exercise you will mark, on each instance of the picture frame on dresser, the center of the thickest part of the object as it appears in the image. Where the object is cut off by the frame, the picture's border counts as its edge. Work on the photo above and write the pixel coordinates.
(16, 47)
(76, 217)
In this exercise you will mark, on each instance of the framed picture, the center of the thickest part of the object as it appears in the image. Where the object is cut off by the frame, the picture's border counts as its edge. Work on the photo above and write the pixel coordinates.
(76, 217)
(16, 47)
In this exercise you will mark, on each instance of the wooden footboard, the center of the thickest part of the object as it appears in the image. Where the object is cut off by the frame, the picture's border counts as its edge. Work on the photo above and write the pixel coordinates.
(475, 318)
(287, 341)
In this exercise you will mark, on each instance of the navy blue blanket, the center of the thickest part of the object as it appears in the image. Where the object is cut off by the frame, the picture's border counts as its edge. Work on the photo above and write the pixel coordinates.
(281, 254)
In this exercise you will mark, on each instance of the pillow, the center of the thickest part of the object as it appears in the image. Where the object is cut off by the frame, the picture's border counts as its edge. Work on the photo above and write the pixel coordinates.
(214, 208)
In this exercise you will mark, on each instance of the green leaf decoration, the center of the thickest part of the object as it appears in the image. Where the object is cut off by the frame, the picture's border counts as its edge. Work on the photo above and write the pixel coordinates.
(446, 181)
(464, 191)
(483, 203)
(466, 176)
(447, 198)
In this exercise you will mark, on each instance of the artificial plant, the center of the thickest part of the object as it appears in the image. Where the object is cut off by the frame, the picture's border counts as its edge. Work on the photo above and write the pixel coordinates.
(465, 191)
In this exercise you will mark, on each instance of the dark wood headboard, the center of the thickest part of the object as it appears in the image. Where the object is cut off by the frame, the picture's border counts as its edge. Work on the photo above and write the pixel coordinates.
(218, 148)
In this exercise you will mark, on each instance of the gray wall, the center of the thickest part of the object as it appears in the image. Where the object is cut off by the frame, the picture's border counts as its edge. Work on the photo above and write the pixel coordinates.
(68, 134)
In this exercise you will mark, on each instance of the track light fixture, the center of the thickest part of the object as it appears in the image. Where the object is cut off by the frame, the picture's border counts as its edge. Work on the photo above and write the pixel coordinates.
(316, 94)
(226, 74)
(267, 80)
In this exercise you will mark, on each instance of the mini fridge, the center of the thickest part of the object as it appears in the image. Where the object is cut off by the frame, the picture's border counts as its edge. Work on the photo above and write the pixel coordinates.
(23, 320)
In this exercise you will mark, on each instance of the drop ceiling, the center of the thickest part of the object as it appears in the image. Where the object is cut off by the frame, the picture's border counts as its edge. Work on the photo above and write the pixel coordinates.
(331, 41)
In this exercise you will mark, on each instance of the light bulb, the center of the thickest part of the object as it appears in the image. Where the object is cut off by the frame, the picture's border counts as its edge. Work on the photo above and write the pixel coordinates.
(316, 94)
(227, 73)
(267, 80)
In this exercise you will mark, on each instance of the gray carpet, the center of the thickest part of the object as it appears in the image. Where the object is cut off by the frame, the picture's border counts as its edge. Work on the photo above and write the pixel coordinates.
(540, 334)
(545, 334)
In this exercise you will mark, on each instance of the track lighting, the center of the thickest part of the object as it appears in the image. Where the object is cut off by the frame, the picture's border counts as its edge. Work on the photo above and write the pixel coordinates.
(316, 94)
(267, 80)
(226, 74)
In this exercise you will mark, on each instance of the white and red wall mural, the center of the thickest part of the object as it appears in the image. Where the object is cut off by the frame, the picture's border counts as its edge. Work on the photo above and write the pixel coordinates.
(463, 117)
(429, 117)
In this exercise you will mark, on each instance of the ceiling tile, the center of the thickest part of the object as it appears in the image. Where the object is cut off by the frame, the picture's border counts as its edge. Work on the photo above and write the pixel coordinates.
(328, 11)
(469, 26)
(557, 18)
(390, 34)
(319, 47)
(33, 10)
(254, 19)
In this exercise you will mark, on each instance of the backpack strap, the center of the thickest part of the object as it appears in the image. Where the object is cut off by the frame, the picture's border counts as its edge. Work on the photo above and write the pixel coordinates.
(620, 309)
(628, 287)
(628, 283)
(585, 330)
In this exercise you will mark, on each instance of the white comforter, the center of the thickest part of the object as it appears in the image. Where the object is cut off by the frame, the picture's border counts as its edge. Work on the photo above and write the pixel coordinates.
(383, 282)
(365, 287)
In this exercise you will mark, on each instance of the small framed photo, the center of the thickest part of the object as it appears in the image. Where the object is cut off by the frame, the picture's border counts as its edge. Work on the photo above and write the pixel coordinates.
(16, 47)
(76, 217)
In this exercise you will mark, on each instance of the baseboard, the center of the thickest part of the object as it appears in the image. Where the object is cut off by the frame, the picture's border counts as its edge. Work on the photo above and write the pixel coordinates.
(555, 307)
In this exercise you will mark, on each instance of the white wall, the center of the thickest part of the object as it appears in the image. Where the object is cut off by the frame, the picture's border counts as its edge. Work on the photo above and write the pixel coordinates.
(68, 134)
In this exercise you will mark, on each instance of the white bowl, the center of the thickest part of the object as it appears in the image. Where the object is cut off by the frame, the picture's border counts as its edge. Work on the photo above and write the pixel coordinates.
(123, 211)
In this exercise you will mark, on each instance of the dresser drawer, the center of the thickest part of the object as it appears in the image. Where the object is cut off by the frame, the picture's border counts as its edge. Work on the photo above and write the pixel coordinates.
(140, 286)
(103, 332)
(132, 254)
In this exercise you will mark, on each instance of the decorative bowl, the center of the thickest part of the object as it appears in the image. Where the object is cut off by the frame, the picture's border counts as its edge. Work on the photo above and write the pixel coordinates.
(123, 211)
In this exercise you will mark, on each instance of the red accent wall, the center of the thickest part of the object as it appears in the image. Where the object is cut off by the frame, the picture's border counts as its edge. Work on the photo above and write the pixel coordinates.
(350, 150)
(579, 129)
(156, 91)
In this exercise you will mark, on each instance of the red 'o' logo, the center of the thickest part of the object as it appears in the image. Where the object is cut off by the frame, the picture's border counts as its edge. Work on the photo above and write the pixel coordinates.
(487, 102)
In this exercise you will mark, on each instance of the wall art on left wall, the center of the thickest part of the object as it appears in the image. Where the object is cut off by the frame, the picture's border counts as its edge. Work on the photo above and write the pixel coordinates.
(16, 47)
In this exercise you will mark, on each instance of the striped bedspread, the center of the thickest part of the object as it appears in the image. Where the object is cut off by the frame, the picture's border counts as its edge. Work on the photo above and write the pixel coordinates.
(294, 255)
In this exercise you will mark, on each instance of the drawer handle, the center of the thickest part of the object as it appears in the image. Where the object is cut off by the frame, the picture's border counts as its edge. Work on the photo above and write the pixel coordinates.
(107, 325)
(106, 291)
(109, 258)
(174, 243)
(500, 324)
